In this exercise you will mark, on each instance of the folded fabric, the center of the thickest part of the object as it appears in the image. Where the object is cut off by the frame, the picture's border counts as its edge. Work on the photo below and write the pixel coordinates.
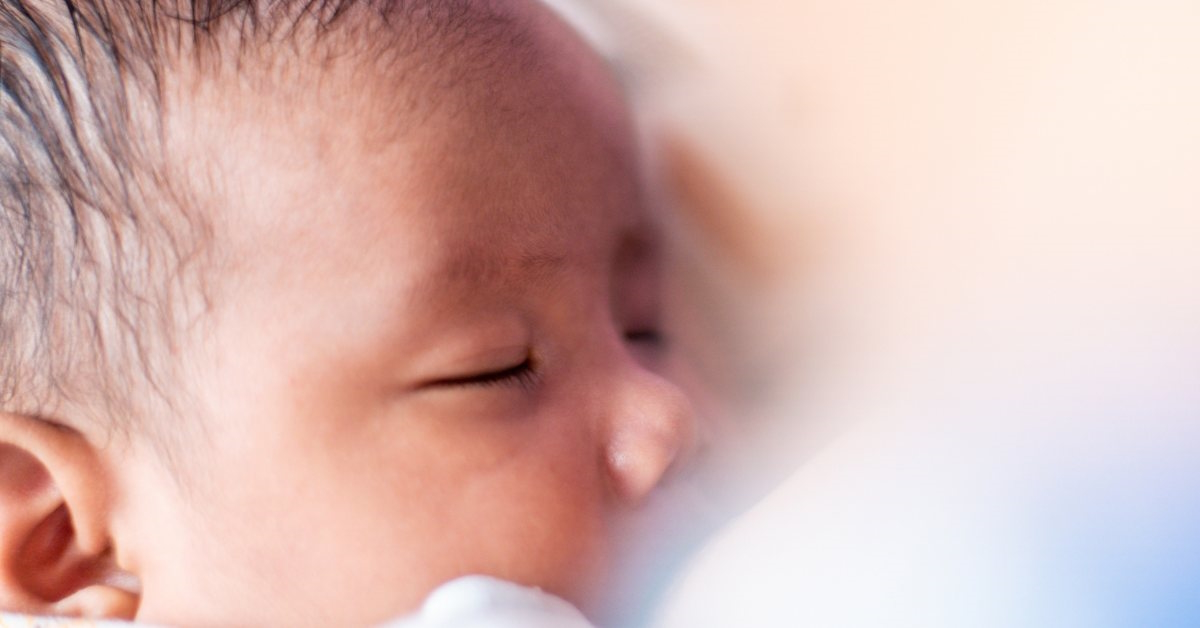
(486, 602)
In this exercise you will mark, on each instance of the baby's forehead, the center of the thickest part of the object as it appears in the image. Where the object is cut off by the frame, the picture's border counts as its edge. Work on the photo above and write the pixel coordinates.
(558, 107)
(479, 168)
(359, 67)
(469, 88)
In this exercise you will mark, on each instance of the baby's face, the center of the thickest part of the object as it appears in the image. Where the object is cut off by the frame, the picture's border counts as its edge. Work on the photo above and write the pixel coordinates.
(434, 350)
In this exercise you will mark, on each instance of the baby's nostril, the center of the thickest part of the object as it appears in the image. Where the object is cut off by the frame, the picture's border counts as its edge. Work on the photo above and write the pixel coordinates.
(652, 337)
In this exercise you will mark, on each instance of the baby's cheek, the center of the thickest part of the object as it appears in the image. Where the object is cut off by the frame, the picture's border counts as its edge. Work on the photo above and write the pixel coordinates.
(520, 498)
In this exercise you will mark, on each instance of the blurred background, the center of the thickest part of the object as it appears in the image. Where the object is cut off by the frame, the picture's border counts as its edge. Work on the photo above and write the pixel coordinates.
(940, 293)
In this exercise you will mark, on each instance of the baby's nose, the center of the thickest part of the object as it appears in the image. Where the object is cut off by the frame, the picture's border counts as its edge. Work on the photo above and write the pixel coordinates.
(652, 431)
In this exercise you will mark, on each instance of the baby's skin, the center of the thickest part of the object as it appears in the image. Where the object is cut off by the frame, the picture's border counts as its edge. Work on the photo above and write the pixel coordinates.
(433, 349)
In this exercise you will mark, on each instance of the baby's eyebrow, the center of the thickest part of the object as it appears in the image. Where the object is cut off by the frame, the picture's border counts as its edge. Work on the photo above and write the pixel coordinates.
(538, 265)
(467, 271)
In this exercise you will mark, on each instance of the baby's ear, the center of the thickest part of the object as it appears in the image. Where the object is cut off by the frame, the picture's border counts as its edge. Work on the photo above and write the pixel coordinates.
(55, 552)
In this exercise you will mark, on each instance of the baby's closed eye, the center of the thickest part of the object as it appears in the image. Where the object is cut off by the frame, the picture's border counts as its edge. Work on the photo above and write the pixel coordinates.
(522, 373)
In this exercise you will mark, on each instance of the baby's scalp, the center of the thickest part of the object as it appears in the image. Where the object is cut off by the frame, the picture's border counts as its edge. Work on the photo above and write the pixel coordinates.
(107, 234)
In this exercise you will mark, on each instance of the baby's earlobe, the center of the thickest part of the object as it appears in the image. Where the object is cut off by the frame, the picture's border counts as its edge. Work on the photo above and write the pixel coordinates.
(100, 601)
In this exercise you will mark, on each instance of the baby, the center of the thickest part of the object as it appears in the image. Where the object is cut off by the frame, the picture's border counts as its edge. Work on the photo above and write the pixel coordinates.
(309, 307)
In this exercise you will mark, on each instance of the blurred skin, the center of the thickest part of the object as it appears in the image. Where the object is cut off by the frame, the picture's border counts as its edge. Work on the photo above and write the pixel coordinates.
(434, 349)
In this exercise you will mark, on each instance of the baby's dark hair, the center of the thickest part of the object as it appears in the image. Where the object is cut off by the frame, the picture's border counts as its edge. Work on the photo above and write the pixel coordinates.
(101, 243)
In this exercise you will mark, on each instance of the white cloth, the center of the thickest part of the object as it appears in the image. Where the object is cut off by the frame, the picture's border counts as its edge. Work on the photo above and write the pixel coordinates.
(12, 620)
(486, 602)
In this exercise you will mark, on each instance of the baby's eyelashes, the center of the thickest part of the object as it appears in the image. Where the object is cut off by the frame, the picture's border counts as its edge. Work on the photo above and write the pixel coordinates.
(480, 364)
(522, 373)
